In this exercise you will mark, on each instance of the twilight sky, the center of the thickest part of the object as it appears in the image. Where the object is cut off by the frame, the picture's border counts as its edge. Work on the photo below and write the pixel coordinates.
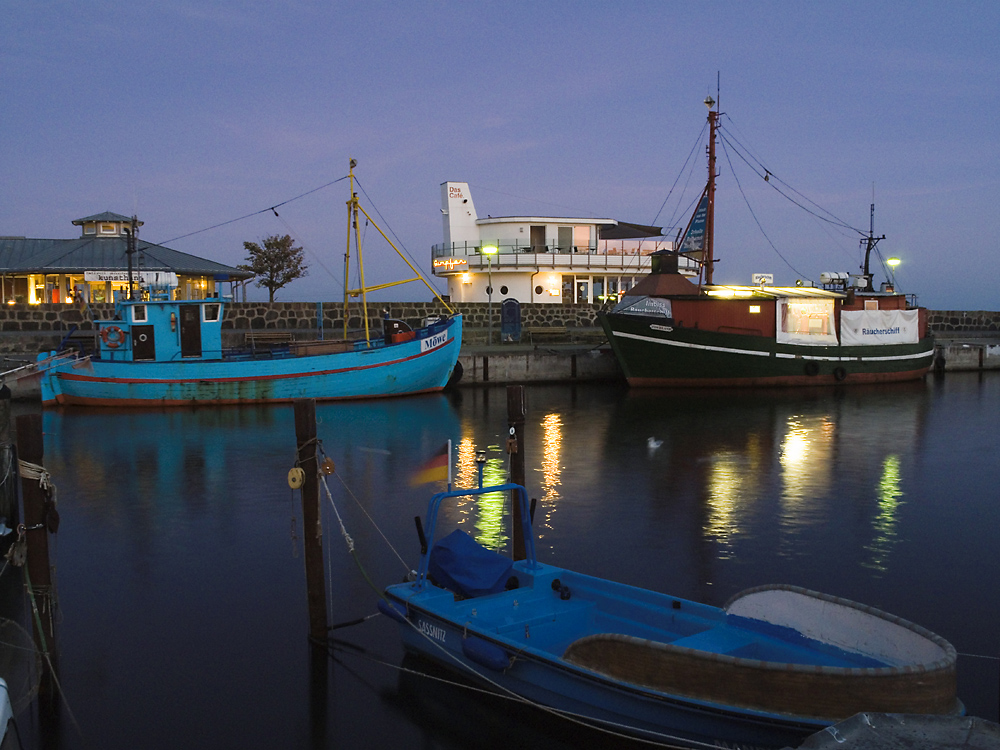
(193, 113)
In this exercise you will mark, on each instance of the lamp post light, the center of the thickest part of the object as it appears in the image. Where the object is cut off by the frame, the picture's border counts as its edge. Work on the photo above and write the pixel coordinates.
(893, 262)
(489, 251)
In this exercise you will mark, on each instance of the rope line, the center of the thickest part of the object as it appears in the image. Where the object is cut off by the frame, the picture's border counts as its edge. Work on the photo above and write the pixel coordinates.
(509, 695)
(29, 470)
(255, 213)
(45, 649)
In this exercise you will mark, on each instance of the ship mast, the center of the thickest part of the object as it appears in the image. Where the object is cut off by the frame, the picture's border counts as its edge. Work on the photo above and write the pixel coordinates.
(709, 251)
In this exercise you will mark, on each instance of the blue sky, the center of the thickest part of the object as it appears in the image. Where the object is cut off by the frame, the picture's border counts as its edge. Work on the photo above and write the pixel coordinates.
(192, 113)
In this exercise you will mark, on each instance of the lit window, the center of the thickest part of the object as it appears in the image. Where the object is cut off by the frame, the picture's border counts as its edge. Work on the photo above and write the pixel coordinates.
(109, 229)
(755, 308)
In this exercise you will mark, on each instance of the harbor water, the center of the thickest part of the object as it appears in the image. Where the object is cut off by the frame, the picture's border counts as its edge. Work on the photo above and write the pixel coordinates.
(182, 618)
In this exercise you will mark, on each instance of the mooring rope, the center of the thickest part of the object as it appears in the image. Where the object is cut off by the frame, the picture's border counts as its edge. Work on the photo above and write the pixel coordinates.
(45, 649)
(29, 470)
(619, 730)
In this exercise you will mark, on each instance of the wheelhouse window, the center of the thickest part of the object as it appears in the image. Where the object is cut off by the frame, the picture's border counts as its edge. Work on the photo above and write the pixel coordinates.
(139, 313)
(211, 312)
(807, 321)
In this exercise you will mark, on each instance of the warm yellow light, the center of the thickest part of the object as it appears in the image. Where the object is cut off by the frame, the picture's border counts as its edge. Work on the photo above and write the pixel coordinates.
(489, 250)
(553, 292)
(466, 278)
(10, 302)
(755, 308)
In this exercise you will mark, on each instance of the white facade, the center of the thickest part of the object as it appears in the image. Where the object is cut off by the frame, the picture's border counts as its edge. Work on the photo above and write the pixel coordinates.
(537, 259)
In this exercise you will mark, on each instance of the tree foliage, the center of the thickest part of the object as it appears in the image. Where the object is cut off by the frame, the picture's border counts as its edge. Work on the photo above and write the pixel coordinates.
(274, 263)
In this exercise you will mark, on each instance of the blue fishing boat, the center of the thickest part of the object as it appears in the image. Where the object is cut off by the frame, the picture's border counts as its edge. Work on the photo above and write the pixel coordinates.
(169, 353)
(160, 351)
(771, 667)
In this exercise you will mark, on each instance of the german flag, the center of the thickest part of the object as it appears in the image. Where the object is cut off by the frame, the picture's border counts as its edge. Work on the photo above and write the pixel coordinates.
(436, 469)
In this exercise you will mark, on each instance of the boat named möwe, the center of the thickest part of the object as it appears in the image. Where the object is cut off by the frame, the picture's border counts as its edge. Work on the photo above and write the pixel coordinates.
(672, 330)
(164, 352)
(774, 665)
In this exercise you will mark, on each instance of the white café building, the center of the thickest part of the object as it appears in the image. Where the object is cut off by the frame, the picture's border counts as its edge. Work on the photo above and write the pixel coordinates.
(546, 259)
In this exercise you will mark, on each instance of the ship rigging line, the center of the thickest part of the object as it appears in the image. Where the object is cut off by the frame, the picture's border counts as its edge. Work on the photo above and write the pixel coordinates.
(750, 208)
(728, 139)
(694, 148)
(392, 231)
(255, 213)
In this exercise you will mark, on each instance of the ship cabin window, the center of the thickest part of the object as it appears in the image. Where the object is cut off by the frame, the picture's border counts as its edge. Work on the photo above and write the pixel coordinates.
(211, 312)
(808, 317)
(139, 314)
(871, 304)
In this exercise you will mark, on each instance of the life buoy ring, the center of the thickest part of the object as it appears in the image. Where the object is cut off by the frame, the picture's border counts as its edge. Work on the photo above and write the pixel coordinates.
(839, 373)
(112, 336)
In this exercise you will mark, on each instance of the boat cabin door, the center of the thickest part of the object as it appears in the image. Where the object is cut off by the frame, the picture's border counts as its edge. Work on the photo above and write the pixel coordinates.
(190, 330)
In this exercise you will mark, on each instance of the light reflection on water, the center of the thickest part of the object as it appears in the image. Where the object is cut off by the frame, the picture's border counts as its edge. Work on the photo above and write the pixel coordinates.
(175, 532)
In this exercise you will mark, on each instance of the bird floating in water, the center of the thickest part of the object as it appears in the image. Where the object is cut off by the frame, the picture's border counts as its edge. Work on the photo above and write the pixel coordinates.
(652, 443)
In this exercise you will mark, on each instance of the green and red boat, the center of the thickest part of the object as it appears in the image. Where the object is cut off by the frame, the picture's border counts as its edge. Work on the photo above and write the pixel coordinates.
(674, 328)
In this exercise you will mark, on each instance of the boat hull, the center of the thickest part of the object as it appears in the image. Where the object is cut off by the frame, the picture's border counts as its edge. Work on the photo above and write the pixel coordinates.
(771, 667)
(555, 654)
(421, 365)
(652, 354)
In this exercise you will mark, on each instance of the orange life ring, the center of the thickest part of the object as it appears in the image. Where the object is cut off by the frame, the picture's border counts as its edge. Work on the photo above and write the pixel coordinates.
(112, 336)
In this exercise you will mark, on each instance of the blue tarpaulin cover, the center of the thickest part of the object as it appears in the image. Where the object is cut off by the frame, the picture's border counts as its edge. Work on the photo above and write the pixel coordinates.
(459, 563)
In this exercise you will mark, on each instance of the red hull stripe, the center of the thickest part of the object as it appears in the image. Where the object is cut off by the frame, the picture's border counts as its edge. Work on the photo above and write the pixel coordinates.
(251, 379)
(63, 400)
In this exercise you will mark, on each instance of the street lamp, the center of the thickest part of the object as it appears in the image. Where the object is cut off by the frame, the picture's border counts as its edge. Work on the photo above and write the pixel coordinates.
(489, 251)
(893, 262)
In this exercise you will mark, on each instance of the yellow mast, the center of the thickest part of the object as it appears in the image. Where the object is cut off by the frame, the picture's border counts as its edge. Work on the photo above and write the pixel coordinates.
(353, 206)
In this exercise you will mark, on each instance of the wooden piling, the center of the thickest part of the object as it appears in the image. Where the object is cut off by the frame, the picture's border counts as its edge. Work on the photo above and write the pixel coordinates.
(515, 423)
(305, 439)
(39, 515)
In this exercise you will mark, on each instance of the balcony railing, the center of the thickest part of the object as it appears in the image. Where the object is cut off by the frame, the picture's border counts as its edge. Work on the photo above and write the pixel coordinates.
(468, 249)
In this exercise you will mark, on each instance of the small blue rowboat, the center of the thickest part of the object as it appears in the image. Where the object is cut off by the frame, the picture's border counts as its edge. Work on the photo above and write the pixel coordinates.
(771, 667)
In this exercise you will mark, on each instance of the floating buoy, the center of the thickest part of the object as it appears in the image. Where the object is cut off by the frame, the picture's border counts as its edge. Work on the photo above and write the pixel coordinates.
(296, 478)
(327, 466)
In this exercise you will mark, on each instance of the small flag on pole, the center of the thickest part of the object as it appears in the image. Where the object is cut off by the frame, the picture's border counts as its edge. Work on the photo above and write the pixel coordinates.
(436, 469)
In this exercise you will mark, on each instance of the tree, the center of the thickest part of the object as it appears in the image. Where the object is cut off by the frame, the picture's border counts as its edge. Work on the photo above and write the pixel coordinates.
(274, 264)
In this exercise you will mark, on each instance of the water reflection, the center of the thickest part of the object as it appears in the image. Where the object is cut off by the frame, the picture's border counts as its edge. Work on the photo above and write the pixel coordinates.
(776, 466)
(884, 524)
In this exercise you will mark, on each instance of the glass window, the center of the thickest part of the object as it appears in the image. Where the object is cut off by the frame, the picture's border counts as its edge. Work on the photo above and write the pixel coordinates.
(139, 313)
(211, 312)
(567, 290)
(598, 289)
(582, 290)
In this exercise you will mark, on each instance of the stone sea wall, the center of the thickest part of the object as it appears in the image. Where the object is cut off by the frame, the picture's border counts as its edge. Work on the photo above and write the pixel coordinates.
(26, 318)
(952, 322)
(27, 329)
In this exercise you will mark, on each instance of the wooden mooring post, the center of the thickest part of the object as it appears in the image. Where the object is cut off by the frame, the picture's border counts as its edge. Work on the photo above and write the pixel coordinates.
(515, 443)
(312, 533)
(40, 517)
